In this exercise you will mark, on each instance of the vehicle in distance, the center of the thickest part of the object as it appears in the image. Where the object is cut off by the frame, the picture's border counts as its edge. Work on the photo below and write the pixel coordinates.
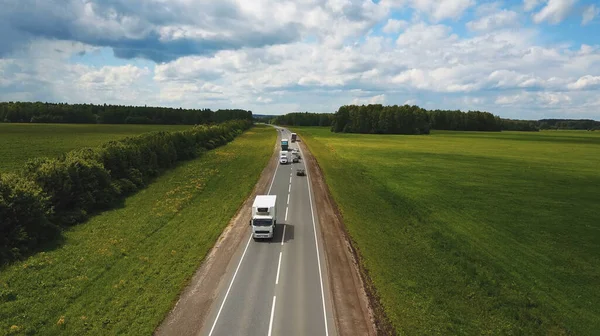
(294, 136)
(284, 144)
(264, 216)
(300, 172)
(283, 157)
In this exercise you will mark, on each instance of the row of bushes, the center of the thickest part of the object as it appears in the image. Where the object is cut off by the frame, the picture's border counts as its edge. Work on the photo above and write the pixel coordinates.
(52, 192)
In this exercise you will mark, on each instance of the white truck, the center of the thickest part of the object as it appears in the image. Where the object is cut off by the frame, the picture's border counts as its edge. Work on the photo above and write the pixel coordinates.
(284, 157)
(264, 216)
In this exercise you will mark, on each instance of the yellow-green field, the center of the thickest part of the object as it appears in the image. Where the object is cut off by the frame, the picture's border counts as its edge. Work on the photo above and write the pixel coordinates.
(21, 142)
(121, 272)
(473, 233)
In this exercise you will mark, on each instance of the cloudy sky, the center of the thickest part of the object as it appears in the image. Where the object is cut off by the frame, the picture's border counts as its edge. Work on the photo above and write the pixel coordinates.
(526, 59)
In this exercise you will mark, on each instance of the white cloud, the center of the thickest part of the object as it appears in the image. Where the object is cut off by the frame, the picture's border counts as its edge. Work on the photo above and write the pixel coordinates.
(585, 82)
(554, 12)
(329, 64)
(265, 100)
(529, 5)
(379, 99)
(394, 26)
(114, 76)
(174, 92)
(496, 20)
(589, 14)
(422, 34)
(547, 99)
(443, 9)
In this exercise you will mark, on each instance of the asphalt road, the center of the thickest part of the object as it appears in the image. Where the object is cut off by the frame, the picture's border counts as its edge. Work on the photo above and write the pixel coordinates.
(278, 287)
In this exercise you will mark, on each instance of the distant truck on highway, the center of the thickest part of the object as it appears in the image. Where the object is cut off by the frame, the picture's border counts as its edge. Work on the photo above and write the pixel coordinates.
(294, 137)
(264, 216)
(284, 144)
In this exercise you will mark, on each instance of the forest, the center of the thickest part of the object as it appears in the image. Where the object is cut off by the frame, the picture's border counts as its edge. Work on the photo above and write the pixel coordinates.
(38, 112)
(379, 119)
(304, 119)
(406, 119)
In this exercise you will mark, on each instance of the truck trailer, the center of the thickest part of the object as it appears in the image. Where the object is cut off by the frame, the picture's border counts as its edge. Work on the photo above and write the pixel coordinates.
(264, 216)
(284, 144)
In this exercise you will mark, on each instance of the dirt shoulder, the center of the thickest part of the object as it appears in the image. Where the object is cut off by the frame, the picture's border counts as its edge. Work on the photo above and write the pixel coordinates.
(190, 312)
(352, 301)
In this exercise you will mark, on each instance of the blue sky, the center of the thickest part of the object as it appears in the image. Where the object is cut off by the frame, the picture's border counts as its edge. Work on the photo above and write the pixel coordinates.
(525, 59)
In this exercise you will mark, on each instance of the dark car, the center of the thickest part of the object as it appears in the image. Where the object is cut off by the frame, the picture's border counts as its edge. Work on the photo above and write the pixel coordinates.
(300, 172)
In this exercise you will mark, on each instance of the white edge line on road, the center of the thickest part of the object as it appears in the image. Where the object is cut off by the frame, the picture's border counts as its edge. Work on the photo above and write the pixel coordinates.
(312, 213)
(278, 266)
(231, 284)
(237, 268)
(286, 213)
(272, 313)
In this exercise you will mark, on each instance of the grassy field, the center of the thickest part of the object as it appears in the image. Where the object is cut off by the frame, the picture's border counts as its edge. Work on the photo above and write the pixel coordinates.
(21, 142)
(473, 233)
(121, 272)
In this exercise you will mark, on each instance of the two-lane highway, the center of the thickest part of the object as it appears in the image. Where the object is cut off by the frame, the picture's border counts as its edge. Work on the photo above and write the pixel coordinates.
(278, 287)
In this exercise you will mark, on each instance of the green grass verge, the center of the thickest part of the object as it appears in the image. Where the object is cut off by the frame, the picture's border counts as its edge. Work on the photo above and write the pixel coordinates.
(121, 272)
(468, 233)
(22, 142)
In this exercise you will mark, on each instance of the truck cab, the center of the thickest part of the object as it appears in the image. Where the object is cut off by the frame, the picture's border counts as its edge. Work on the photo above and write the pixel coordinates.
(264, 216)
(284, 144)
(283, 157)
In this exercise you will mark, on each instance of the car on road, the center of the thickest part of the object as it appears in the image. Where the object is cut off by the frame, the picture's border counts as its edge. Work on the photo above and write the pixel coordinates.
(300, 172)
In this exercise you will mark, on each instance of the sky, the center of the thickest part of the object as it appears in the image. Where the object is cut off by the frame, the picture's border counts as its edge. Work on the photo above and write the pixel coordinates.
(521, 59)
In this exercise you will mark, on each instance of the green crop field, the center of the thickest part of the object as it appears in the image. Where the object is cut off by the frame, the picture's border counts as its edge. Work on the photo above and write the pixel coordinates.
(21, 142)
(121, 272)
(473, 233)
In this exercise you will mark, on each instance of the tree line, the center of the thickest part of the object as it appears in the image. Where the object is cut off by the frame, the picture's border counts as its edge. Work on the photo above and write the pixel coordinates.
(569, 124)
(38, 112)
(379, 119)
(303, 119)
(50, 193)
(520, 125)
(406, 119)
